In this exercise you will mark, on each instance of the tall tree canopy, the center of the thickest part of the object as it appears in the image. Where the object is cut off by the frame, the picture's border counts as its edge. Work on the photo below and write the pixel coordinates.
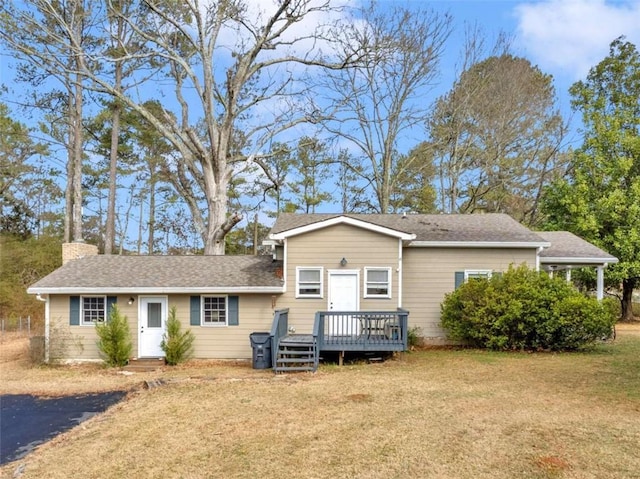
(234, 72)
(51, 40)
(496, 138)
(600, 199)
(380, 100)
(26, 190)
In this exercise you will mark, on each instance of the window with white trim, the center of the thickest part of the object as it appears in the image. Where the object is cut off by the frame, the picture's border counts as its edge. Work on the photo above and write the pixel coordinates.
(93, 309)
(476, 274)
(214, 311)
(377, 282)
(309, 282)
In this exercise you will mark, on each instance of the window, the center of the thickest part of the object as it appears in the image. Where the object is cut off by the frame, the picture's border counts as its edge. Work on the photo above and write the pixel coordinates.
(477, 274)
(93, 309)
(309, 282)
(214, 311)
(377, 282)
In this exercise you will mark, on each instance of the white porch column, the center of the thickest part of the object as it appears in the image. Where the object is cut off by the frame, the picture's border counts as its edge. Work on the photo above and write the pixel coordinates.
(568, 274)
(600, 283)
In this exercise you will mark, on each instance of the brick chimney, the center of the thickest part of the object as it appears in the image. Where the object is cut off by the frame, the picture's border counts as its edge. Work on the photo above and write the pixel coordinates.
(77, 250)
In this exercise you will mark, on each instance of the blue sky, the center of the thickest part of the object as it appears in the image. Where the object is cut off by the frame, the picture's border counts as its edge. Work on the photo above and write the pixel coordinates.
(562, 37)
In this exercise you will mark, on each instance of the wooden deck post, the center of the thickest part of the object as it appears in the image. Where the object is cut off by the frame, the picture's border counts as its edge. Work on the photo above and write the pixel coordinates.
(341, 358)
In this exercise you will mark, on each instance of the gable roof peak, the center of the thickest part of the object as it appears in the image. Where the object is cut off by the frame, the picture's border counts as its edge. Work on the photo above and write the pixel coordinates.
(420, 229)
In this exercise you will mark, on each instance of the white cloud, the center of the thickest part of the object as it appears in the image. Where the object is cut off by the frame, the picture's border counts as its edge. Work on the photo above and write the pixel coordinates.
(571, 36)
(317, 16)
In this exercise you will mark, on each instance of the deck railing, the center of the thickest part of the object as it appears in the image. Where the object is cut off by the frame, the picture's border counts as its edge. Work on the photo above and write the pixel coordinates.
(361, 330)
(279, 329)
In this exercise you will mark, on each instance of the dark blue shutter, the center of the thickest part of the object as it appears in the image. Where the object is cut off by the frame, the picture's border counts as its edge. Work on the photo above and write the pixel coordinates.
(233, 314)
(459, 278)
(111, 301)
(74, 310)
(195, 311)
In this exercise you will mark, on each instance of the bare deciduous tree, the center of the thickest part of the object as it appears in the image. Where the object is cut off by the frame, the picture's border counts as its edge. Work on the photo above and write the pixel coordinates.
(379, 99)
(497, 138)
(231, 73)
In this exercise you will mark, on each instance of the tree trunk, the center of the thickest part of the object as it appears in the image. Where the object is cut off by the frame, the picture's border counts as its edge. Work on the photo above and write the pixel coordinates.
(214, 241)
(68, 190)
(140, 225)
(110, 233)
(77, 160)
(152, 210)
(255, 235)
(627, 299)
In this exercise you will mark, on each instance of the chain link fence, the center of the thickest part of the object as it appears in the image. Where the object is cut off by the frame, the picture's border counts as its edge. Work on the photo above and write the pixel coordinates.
(21, 325)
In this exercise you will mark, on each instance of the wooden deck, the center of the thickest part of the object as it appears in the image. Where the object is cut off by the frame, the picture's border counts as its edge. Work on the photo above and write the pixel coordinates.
(342, 331)
(376, 331)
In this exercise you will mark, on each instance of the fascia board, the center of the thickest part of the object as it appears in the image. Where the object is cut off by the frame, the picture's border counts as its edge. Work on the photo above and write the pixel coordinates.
(342, 220)
(573, 260)
(157, 290)
(479, 244)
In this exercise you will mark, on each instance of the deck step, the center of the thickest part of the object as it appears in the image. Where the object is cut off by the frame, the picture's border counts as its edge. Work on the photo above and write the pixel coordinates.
(296, 352)
(295, 360)
(294, 368)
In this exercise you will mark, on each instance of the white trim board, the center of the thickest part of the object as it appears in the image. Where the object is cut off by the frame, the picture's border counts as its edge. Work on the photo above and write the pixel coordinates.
(157, 290)
(338, 220)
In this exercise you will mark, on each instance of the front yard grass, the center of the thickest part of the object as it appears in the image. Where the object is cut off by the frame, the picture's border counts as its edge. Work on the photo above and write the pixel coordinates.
(433, 413)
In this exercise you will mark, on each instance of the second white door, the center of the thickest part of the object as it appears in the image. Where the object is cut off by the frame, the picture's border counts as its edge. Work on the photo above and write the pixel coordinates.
(343, 296)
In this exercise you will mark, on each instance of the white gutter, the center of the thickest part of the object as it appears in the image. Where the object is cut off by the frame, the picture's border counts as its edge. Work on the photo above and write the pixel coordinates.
(285, 264)
(574, 261)
(538, 251)
(47, 325)
(478, 244)
(399, 273)
(155, 290)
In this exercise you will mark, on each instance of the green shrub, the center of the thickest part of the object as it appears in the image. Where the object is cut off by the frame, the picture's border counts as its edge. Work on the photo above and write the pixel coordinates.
(414, 337)
(114, 338)
(176, 344)
(525, 310)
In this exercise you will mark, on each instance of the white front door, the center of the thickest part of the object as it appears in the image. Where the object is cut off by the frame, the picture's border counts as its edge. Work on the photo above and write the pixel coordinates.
(343, 296)
(152, 323)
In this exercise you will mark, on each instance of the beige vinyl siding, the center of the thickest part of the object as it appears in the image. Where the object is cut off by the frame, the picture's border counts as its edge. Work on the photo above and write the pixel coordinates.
(326, 247)
(216, 342)
(80, 342)
(227, 342)
(429, 275)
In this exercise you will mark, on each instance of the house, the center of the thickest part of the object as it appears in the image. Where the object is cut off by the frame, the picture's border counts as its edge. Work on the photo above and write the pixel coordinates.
(338, 282)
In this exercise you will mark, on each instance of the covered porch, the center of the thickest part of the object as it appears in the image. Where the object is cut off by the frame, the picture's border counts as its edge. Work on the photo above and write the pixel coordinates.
(568, 252)
(341, 331)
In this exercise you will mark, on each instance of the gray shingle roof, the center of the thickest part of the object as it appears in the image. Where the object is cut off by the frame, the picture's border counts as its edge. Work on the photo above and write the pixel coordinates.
(567, 245)
(169, 273)
(490, 228)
